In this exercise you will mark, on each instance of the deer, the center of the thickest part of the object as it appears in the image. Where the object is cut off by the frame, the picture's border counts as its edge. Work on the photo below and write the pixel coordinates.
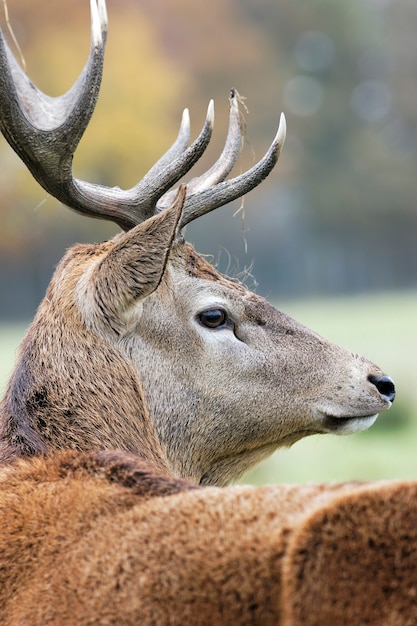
(140, 344)
(146, 383)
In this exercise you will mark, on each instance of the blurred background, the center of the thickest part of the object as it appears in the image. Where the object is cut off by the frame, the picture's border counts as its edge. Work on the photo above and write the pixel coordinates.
(330, 237)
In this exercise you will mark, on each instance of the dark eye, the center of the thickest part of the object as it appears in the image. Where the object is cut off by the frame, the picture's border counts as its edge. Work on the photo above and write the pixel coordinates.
(214, 318)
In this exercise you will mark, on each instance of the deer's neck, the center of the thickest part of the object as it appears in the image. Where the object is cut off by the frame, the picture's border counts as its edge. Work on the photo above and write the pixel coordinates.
(73, 390)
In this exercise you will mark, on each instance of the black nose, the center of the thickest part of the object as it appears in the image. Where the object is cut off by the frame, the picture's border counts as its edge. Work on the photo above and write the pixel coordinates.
(385, 386)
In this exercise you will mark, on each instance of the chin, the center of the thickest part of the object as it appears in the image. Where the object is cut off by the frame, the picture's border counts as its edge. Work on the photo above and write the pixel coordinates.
(348, 425)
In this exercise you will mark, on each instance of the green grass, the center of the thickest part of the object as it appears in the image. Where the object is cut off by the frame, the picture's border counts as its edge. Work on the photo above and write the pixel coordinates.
(381, 327)
(10, 338)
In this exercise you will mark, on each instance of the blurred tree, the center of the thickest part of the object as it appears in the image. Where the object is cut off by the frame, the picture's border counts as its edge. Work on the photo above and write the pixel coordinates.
(339, 214)
(350, 103)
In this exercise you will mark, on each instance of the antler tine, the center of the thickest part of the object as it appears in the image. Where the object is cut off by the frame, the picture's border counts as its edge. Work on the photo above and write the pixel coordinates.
(207, 200)
(223, 166)
(35, 124)
(45, 131)
(177, 148)
(176, 162)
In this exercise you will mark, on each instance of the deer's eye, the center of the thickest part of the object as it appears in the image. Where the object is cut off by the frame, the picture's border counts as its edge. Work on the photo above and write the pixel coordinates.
(213, 318)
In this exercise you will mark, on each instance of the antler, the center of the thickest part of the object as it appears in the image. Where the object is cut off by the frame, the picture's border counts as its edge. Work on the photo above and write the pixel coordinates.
(45, 132)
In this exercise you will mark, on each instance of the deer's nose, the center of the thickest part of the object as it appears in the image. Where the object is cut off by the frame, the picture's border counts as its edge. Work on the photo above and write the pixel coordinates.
(385, 386)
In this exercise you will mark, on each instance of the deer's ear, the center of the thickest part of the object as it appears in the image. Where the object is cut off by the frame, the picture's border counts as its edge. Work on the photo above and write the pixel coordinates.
(134, 267)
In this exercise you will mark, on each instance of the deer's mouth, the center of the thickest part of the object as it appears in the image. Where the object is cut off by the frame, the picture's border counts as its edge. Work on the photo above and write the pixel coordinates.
(348, 425)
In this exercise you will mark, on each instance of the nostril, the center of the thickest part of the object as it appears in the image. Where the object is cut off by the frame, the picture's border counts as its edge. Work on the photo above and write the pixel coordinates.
(385, 386)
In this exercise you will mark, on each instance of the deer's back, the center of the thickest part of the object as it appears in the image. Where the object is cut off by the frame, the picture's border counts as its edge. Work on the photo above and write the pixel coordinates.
(103, 538)
(100, 538)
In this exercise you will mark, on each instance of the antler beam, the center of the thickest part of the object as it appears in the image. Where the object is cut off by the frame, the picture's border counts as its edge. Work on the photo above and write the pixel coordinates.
(45, 132)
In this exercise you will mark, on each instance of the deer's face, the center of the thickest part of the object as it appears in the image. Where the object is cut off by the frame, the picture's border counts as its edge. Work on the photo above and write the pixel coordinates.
(228, 378)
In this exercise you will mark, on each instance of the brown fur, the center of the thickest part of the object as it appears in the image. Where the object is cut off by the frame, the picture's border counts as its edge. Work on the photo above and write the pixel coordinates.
(102, 539)
(185, 555)
(354, 560)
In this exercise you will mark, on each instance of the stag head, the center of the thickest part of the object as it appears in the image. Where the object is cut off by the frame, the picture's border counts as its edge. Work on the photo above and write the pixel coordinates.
(140, 344)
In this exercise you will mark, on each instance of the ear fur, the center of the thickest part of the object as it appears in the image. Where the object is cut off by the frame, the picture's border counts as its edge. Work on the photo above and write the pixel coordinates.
(133, 268)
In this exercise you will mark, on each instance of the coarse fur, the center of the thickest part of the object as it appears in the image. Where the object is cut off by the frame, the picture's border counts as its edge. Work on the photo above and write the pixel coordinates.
(103, 539)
